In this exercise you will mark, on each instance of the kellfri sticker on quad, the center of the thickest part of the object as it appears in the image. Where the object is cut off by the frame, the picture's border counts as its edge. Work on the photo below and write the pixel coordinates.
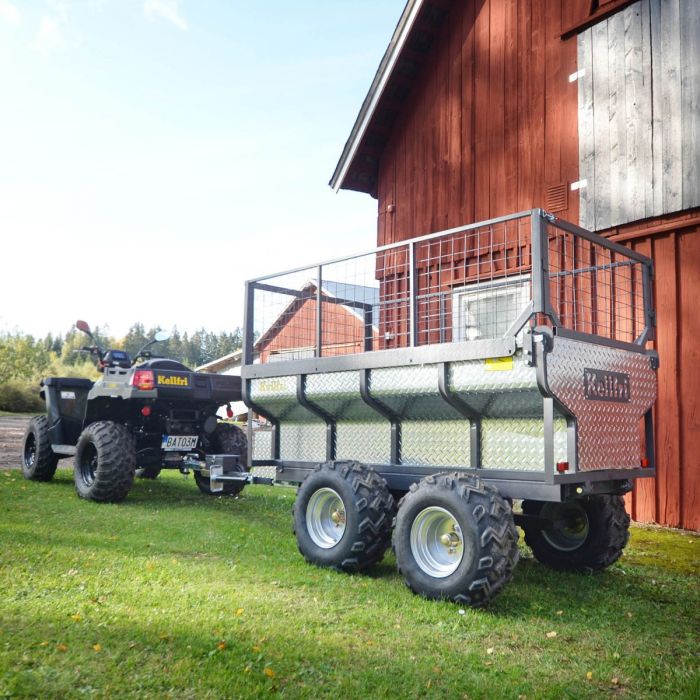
(173, 380)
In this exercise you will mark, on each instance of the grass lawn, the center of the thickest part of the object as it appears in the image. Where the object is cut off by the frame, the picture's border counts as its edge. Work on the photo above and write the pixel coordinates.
(172, 594)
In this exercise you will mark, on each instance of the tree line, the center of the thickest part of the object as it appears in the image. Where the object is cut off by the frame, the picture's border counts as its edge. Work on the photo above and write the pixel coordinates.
(23, 357)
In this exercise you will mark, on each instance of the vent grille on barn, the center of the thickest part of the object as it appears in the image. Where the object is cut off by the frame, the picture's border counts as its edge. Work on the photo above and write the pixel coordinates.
(557, 198)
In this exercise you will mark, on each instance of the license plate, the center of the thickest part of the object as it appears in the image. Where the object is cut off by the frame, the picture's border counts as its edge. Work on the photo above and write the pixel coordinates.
(178, 442)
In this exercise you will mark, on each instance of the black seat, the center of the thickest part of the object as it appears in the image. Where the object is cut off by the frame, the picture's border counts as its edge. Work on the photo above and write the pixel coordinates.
(165, 364)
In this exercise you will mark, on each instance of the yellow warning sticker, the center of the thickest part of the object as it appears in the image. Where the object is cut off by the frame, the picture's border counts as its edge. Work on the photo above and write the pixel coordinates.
(499, 364)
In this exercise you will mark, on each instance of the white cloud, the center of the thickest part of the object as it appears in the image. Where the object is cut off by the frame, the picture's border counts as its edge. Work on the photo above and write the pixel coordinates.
(9, 13)
(49, 36)
(165, 9)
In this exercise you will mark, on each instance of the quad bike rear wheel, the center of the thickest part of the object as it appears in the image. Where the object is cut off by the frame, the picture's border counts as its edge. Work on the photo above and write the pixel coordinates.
(104, 462)
(39, 461)
(227, 439)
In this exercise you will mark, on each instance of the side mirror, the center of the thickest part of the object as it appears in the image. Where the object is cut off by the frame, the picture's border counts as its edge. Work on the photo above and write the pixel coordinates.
(83, 326)
(161, 336)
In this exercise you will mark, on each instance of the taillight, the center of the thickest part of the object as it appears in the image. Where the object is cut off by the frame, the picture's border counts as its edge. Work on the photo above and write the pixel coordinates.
(143, 379)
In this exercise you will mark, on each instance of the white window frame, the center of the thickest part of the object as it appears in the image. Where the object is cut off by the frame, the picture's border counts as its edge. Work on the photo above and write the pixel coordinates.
(486, 290)
(291, 354)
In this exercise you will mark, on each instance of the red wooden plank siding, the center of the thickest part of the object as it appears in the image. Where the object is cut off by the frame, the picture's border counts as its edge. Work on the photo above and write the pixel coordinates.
(667, 506)
(644, 499)
(674, 498)
(482, 160)
(688, 255)
(492, 122)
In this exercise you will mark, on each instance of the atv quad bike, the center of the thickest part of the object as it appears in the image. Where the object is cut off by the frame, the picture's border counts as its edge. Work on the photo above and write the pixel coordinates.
(135, 421)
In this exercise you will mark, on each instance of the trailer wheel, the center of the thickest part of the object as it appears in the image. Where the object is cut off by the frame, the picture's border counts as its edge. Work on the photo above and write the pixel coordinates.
(342, 516)
(147, 472)
(227, 439)
(39, 461)
(104, 462)
(455, 539)
(585, 535)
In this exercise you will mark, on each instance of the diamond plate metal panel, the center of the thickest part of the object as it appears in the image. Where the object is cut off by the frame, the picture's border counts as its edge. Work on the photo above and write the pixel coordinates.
(518, 443)
(478, 376)
(508, 393)
(560, 439)
(303, 442)
(364, 441)
(278, 396)
(608, 434)
(361, 432)
(273, 389)
(265, 472)
(262, 443)
(412, 393)
(338, 394)
(443, 443)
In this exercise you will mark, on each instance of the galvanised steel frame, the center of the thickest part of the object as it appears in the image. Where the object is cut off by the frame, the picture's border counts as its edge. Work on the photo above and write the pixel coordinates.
(547, 484)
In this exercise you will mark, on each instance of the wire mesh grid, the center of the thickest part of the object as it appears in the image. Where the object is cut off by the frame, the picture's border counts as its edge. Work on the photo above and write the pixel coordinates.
(595, 289)
(462, 285)
(466, 284)
(472, 284)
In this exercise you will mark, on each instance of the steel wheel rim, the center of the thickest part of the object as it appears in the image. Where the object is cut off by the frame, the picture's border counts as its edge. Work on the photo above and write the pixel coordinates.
(437, 542)
(569, 536)
(88, 465)
(30, 451)
(325, 518)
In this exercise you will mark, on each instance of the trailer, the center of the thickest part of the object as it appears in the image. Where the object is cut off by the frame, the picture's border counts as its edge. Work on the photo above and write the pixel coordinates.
(435, 393)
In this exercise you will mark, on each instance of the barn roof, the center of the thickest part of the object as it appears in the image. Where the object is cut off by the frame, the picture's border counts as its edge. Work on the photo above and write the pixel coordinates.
(329, 289)
(415, 32)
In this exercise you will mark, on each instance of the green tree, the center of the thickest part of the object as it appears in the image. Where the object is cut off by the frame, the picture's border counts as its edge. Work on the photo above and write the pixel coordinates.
(22, 357)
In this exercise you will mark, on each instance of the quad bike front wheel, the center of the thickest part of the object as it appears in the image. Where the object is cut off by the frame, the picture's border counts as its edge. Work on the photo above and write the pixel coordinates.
(39, 461)
(231, 440)
(104, 462)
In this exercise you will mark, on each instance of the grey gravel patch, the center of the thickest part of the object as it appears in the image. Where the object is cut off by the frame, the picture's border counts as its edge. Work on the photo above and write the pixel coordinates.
(11, 433)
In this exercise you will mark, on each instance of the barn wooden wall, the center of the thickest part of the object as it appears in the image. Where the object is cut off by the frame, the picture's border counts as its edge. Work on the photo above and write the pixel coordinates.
(639, 113)
(490, 126)
(674, 497)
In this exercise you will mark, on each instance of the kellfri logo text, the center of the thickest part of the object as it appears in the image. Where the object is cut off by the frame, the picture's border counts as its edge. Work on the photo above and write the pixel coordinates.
(172, 381)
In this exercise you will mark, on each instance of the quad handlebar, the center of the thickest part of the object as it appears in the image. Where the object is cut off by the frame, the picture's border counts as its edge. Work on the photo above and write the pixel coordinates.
(118, 358)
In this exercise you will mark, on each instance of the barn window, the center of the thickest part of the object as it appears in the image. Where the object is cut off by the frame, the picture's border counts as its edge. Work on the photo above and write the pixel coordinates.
(290, 354)
(489, 309)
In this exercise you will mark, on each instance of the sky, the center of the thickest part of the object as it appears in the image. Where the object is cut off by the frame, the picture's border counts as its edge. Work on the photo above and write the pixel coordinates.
(155, 154)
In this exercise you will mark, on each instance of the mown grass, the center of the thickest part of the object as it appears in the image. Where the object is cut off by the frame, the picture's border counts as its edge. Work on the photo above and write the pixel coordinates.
(172, 594)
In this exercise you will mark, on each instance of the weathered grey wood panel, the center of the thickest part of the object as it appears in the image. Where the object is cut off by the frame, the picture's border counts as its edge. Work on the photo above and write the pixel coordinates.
(639, 113)
(586, 127)
(690, 100)
(672, 150)
(601, 121)
(657, 113)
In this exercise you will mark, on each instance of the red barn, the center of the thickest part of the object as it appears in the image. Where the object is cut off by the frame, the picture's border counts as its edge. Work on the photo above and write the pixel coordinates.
(346, 328)
(589, 109)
